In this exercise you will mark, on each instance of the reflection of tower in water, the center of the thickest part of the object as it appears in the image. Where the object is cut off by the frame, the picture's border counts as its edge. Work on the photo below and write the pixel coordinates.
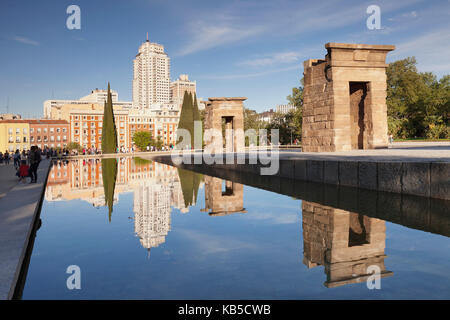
(345, 243)
(152, 207)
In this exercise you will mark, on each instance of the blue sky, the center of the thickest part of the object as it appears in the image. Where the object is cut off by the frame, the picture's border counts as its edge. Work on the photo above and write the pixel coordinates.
(231, 48)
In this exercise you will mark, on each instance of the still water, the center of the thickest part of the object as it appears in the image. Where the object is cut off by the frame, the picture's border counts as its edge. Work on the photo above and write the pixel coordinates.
(158, 232)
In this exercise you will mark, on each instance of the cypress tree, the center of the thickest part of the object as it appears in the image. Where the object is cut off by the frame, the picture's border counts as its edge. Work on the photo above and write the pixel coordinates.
(109, 133)
(190, 182)
(109, 175)
(196, 116)
(187, 116)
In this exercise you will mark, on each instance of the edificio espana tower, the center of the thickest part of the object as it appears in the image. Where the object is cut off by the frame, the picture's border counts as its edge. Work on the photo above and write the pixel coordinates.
(151, 75)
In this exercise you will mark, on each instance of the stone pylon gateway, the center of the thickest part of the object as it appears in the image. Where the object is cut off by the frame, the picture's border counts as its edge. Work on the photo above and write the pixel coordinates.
(344, 99)
(230, 112)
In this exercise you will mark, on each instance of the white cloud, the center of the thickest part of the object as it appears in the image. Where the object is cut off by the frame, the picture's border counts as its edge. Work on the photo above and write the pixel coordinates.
(273, 59)
(248, 75)
(429, 50)
(243, 21)
(25, 40)
(210, 36)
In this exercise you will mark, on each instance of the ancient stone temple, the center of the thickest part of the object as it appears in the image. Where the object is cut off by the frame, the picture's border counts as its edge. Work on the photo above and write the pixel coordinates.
(344, 96)
(223, 197)
(226, 113)
(344, 242)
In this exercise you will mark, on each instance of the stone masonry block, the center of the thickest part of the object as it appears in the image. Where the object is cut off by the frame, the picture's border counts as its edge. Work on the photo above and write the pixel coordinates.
(416, 178)
(389, 176)
(367, 175)
(314, 170)
(331, 172)
(440, 180)
(348, 173)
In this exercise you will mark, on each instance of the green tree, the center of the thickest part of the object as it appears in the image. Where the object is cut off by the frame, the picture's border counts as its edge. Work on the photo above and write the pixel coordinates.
(190, 182)
(196, 116)
(417, 103)
(74, 146)
(288, 125)
(142, 139)
(109, 133)
(187, 117)
(109, 175)
(296, 98)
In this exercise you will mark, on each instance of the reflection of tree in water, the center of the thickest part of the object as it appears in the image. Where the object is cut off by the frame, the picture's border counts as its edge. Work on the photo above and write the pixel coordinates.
(190, 182)
(141, 162)
(109, 174)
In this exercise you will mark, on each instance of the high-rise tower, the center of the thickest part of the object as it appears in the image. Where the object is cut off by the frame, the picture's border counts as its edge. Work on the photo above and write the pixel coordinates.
(151, 76)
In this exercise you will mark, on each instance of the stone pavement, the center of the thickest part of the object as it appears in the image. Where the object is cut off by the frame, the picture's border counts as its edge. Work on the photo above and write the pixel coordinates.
(398, 151)
(19, 208)
(8, 178)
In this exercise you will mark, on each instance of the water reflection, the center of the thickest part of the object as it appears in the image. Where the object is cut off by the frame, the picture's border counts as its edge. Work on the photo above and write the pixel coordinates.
(344, 242)
(223, 197)
(343, 229)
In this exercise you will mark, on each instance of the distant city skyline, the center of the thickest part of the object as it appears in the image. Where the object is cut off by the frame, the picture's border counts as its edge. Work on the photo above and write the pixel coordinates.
(253, 48)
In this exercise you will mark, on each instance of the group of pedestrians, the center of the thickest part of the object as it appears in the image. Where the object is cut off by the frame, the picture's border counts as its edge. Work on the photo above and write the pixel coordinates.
(25, 163)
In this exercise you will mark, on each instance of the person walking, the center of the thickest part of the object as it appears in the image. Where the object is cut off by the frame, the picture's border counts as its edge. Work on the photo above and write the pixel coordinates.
(6, 157)
(35, 159)
(16, 158)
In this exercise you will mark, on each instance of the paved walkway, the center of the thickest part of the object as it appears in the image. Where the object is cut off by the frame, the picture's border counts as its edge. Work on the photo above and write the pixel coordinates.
(401, 151)
(8, 178)
(19, 204)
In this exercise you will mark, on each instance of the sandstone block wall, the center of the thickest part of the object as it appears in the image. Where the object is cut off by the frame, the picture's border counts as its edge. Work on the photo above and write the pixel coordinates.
(232, 109)
(345, 99)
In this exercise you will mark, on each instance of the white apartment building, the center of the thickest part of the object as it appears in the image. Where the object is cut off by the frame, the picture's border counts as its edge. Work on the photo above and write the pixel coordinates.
(95, 97)
(151, 76)
(285, 108)
(99, 96)
(179, 87)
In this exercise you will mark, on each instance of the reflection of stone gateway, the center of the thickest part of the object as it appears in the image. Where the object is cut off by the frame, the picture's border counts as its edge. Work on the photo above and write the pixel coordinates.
(345, 243)
(223, 197)
(345, 99)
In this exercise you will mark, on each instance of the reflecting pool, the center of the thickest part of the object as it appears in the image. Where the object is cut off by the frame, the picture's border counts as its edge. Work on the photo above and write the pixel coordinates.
(146, 230)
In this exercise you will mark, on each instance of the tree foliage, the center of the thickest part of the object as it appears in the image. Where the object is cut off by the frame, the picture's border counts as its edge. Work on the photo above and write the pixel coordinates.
(142, 139)
(296, 98)
(187, 118)
(190, 182)
(109, 175)
(74, 146)
(418, 104)
(109, 133)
